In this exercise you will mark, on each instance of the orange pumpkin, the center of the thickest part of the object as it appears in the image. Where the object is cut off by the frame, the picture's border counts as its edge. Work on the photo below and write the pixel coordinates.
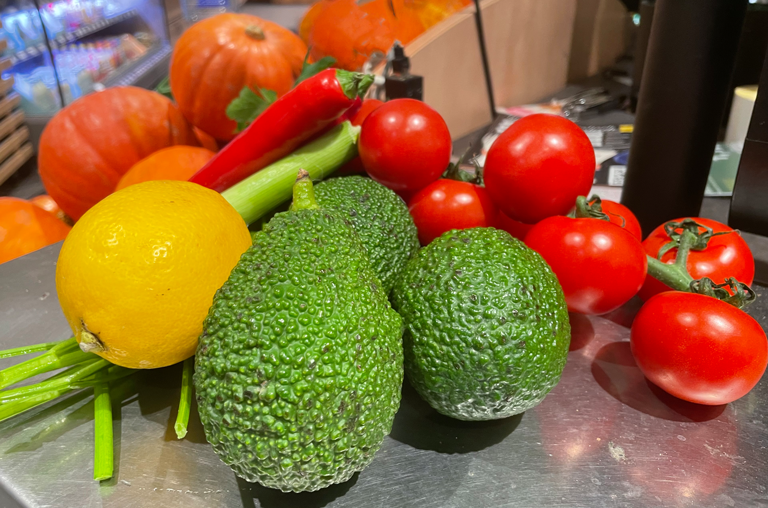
(25, 227)
(172, 163)
(351, 33)
(215, 58)
(309, 19)
(90, 144)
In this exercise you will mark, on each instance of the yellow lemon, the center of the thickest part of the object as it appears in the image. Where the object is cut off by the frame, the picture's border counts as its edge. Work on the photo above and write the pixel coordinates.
(137, 273)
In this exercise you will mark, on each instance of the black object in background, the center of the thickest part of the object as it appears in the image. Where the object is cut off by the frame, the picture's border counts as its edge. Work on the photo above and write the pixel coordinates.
(687, 71)
(484, 56)
(401, 84)
(641, 48)
(749, 204)
(751, 53)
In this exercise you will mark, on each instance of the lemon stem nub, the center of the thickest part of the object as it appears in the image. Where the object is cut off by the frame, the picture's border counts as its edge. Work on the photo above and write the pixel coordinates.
(90, 343)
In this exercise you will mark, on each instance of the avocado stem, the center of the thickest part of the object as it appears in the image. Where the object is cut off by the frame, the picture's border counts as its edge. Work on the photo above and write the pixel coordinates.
(303, 192)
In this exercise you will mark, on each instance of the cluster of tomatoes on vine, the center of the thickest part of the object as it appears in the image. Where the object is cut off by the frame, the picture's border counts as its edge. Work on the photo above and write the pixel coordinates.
(690, 338)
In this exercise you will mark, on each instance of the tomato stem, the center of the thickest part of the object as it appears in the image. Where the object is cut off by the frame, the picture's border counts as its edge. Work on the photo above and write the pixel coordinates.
(676, 275)
(673, 276)
(590, 208)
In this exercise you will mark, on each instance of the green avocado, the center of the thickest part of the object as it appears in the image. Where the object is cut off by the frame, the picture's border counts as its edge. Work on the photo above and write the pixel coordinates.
(299, 369)
(486, 325)
(379, 216)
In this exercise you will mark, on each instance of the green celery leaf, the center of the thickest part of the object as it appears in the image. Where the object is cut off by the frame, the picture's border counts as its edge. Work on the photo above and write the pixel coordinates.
(248, 105)
(164, 88)
(310, 69)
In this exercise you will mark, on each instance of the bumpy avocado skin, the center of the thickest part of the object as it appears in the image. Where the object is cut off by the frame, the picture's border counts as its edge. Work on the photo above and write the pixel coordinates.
(487, 329)
(299, 369)
(381, 219)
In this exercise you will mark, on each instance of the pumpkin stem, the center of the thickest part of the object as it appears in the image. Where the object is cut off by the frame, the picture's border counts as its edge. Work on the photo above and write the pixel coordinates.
(255, 32)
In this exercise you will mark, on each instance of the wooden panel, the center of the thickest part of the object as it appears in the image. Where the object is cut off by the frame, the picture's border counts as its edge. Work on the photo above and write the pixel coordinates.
(10, 123)
(13, 142)
(528, 43)
(8, 103)
(600, 37)
(6, 85)
(12, 164)
(3, 45)
(448, 56)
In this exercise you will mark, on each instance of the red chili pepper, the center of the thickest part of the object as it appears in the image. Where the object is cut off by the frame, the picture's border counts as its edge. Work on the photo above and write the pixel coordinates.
(284, 126)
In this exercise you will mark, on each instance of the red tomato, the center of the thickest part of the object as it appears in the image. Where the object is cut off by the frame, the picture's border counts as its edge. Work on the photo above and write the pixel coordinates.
(725, 256)
(449, 204)
(355, 166)
(622, 217)
(365, 109)
(511, 226)
(698, 348)
(538, 167)
(405, 145)
(599, 266)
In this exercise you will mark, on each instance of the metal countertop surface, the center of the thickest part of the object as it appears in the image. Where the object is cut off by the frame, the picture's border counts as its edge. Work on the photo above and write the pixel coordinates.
(603, 437)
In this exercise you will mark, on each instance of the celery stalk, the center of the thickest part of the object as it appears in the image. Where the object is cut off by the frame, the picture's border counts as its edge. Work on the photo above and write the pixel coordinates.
(25, 350)
(103, 445)
(185, 400)
(58, 382)
(64, 354)
(272, 186)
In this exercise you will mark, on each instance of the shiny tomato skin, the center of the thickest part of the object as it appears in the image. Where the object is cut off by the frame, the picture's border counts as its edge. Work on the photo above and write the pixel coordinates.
(449, 204)
(511, 226)
(599, 266)
(698, 348)
(355, 166)
(538, 166)
(365, 109)
(622, 217)
(725, 256)
(405, 145)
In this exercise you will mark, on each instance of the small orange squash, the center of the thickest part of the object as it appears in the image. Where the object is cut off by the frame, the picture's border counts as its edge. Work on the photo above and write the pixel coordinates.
(172, 163)
(26, 227)
(215, 58)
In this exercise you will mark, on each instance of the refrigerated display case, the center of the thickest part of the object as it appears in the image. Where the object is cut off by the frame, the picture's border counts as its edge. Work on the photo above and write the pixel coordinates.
(63, 49)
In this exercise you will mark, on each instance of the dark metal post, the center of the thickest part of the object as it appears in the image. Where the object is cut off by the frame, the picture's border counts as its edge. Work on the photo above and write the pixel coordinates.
(686, 76)
(641, 47)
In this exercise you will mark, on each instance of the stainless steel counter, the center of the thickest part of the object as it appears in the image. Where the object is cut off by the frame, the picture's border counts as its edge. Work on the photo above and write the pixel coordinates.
(603, 438)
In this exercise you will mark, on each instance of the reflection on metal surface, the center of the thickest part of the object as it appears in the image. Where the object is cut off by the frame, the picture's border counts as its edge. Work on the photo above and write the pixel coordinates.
(604, 437)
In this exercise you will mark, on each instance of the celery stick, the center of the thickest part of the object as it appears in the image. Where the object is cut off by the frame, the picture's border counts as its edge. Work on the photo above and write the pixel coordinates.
(273, 185)
(185, 400)
(64, 354)
(58, 382)
(18, 406)
(103, 446)
(25, 350)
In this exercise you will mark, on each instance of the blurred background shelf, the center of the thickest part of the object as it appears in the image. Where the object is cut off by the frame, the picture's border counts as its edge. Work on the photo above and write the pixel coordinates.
(87, 30)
